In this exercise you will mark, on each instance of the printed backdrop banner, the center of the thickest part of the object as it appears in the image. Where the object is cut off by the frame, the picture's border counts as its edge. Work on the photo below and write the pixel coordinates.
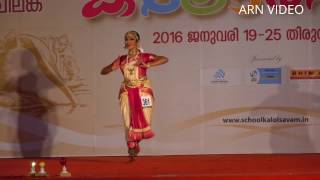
(233, 84)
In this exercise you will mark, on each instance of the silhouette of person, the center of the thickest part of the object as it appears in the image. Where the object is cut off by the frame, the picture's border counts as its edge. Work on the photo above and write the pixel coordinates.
(33, 131)
(289, 127)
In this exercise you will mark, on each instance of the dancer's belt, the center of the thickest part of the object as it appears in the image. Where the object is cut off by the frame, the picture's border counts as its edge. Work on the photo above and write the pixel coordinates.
(135, 83)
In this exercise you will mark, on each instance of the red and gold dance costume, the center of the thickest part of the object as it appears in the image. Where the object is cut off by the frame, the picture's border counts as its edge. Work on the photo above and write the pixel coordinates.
(136, 98)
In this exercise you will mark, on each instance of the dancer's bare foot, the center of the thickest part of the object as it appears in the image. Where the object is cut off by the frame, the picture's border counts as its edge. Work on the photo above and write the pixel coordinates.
(137, 150)
(132, 154)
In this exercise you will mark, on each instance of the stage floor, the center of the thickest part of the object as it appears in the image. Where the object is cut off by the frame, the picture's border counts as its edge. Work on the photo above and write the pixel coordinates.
(281, 166)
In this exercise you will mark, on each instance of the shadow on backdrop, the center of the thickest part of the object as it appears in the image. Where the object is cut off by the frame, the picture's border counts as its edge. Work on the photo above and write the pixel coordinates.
(34, 132)
(290, 137)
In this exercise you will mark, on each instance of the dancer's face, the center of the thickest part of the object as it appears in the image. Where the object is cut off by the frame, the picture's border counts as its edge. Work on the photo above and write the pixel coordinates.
(130, 41)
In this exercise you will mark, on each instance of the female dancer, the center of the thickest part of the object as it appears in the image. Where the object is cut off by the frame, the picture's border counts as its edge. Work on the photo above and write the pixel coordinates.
(136, 97)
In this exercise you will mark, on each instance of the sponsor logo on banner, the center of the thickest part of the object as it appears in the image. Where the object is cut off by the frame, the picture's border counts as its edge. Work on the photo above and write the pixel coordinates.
(214, 76)
(266, 76)
(219, 76)
(305, 74)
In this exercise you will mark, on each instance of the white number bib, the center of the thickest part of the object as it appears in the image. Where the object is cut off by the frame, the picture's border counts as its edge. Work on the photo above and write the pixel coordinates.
(146, 101)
